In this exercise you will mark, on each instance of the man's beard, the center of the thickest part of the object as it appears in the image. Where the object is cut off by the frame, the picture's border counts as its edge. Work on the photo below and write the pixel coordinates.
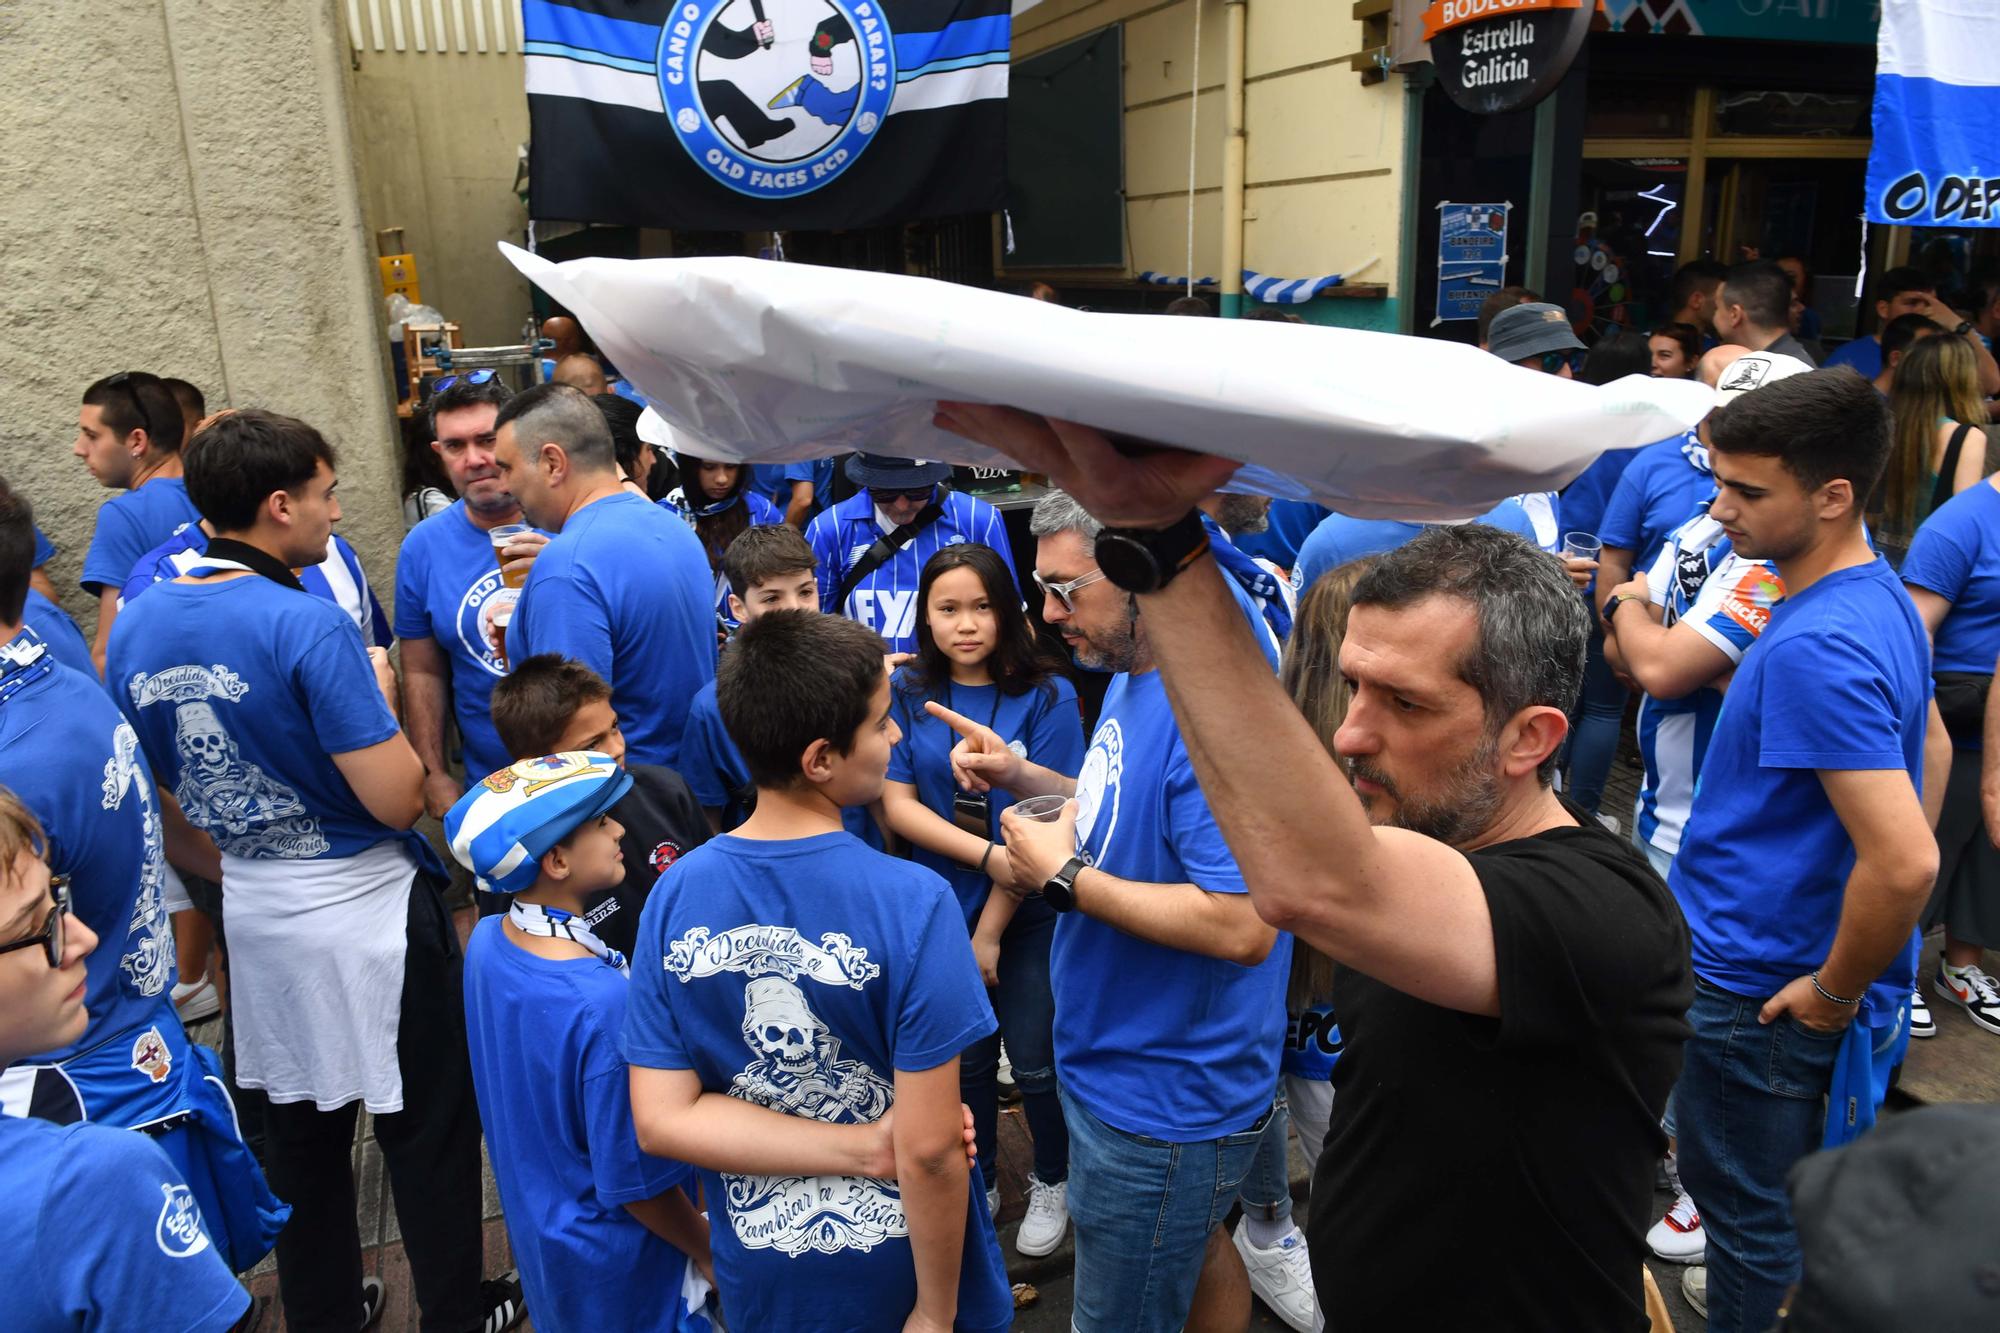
(1461, 808)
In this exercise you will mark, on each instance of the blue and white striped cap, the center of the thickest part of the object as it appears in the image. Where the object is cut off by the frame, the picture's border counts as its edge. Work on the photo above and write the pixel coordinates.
(500, 829)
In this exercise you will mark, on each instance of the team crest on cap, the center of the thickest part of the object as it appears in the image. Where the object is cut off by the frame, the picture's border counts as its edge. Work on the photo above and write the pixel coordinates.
(151, 1057)
(540, 773)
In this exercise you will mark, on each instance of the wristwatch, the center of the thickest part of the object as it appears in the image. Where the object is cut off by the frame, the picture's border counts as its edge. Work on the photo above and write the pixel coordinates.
(1965, 326)
(1611, 607)
(1147, 559)
(1060, 892)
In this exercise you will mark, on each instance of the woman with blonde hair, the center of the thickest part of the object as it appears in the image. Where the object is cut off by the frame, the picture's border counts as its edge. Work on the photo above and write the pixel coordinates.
(1939, 449)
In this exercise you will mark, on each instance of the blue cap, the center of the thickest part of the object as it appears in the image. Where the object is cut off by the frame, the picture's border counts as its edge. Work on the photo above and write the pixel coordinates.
(500, 829)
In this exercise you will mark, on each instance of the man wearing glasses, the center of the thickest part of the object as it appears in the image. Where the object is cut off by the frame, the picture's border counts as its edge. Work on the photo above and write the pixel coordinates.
(128, 433)
(872, 546)
(74, 762)
(102, 1227)
(1170, 1011)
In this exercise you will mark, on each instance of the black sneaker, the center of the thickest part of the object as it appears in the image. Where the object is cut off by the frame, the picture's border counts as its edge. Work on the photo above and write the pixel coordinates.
(373, 1297)
(504, 1305)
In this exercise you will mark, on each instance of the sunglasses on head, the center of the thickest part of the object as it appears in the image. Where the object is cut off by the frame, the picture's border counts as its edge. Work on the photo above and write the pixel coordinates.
(883, 497)
(50, 936)
(125, 380)
(470, 377)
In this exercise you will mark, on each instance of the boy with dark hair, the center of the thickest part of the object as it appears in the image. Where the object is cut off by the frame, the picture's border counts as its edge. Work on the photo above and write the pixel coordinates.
(553, 705)
(603, 1233)
(128, 433)
(769, 568)
(792, 986)
(1898, 292)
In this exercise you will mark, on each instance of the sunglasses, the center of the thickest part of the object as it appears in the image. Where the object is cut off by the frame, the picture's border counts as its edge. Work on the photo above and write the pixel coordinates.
(1065, 592)
(470, 377)
(50, 936)
(124, 380)
(1553, 362)
(882, 497)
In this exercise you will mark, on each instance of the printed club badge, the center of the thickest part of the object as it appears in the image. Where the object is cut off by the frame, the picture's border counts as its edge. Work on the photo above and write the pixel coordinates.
(776, 98)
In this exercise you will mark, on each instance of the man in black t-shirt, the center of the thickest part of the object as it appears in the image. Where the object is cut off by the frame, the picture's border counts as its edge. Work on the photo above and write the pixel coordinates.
(1514, 980)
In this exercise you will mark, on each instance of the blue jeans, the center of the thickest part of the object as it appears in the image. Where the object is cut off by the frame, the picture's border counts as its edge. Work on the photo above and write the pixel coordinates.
(1267, 1187)
(1144, 1210)
(1027, 1012)
(1594, 728)
(1750, 1103)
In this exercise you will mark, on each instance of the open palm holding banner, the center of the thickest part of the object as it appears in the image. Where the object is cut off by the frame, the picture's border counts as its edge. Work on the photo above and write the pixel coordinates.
(755, 361)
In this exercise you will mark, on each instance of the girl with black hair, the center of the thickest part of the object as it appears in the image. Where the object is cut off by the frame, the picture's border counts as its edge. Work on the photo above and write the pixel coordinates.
(716, 501)
(976, 655)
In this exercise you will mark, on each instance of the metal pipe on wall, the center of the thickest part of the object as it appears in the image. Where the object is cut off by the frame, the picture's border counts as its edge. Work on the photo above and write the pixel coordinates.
(1234, 144)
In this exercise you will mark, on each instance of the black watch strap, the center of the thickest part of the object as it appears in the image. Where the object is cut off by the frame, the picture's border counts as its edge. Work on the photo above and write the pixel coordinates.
(1148, 559)
(1060, 891)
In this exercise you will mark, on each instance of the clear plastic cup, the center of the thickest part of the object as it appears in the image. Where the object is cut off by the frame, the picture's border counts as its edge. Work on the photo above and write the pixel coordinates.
(502, 537)
(1041, 809)
(1582, 545)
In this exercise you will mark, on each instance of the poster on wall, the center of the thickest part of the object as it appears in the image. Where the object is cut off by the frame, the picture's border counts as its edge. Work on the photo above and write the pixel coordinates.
(1472, 257)
(741, 115)
(1935, 160)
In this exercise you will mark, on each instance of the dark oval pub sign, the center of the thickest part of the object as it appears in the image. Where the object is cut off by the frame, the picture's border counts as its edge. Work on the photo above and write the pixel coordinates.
(1503, 55)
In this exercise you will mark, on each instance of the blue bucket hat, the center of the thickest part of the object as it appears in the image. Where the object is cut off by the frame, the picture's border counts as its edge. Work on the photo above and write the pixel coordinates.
(881, 472)
(501, 828)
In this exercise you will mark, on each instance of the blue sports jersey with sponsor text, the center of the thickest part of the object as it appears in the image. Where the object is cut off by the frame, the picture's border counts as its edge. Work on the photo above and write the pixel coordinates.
(886, 600)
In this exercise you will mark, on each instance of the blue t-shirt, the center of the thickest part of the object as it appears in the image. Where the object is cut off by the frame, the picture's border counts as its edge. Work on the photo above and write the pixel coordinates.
(801, 975)
(1659, 489)
(242, 691)
(1286, 528)
(446, 577)
(1840, 679)
(45, 550)
(1956, 554)
(720, 780)
(131, 524)
(75, 763)
(1339, 539)
(101, 1232)
(762, 514)
(886, 601)
(774, 481)
(1043, 722)
(338, 578)
(53, 625)
(1153, 1040)
(1863, 354)
(557, 1110)
(625, 589)
(1584, 499)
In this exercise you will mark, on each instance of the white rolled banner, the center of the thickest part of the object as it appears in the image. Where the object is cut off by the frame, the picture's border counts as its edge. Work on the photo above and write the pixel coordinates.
(755, 361)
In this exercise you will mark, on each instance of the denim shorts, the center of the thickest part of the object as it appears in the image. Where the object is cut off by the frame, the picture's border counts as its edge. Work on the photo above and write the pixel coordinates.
(1143, 1210)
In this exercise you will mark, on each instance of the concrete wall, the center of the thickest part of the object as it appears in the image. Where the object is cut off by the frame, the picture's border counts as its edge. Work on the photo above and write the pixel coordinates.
(438, 132)
(177, 194)
(1324, 153)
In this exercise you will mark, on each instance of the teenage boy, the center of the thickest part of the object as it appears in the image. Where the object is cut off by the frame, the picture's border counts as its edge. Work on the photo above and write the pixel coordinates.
(258, 706)
(769, 568)
(556, 705)
(603, 1233)
(128, 433)
(791, 987)
(872, 546)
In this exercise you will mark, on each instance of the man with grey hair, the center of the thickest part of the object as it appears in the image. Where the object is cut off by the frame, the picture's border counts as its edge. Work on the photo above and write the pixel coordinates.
(622, 586)
(1513, 981)
(1169, 991)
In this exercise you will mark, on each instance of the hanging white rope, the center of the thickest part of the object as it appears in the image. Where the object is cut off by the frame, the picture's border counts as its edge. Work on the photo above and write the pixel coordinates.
(1194, 122)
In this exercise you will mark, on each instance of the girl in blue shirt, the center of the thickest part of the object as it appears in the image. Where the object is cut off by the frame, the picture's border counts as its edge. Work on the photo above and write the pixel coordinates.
(977, 656)
(716, 501)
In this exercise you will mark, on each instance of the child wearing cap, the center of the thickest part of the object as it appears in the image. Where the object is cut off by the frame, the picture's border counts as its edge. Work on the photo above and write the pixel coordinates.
(549, 704)
(603, 1233)
(792, 987)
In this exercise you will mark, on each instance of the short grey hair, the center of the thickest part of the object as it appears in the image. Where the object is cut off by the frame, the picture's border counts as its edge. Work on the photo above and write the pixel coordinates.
(1058, 511)
(1533, 628)
(560, 414)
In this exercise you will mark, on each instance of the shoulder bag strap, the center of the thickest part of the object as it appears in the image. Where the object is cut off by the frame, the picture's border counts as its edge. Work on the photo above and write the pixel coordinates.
(885, 546)
(1949, 468)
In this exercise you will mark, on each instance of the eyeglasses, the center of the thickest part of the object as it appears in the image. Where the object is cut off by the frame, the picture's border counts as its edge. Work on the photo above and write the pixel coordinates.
(124, 380)
(882, 497)
(50, 936)
(1065, 592)
(470, 377)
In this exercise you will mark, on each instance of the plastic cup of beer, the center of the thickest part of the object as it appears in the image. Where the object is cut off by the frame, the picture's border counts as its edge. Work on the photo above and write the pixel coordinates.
(1582, 545)
(1040, 809)
(503, 615)
(503, 537)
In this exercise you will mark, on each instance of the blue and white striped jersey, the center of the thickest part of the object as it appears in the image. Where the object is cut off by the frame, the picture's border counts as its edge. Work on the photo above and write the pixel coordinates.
(886, 601)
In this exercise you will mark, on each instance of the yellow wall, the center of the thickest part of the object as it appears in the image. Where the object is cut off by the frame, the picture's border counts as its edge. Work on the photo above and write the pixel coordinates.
(1324, 153)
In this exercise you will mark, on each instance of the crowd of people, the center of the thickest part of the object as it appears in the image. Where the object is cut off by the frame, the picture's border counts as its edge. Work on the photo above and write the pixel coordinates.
(791, 839)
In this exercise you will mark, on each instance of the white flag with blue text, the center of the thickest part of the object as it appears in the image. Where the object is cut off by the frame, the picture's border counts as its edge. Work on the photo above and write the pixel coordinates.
(1936, 158)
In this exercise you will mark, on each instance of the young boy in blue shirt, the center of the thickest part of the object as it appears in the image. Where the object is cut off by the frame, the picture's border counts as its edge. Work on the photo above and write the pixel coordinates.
(603, 1233)
(792, 987)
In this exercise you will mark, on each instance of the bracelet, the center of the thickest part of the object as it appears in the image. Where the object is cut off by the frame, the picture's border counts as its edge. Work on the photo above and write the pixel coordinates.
(988, 856)
(1828, 995)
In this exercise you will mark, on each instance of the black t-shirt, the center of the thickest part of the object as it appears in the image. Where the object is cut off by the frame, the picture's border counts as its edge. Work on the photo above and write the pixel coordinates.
(663, 822)
(1497, 1173)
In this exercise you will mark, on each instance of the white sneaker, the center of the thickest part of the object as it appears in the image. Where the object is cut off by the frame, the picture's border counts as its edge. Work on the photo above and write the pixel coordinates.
(1974, 989)
(1281, 1276)
(1046, 1220)
(1678, 1237)
(196, 1000)
(1922, 1022)
(1694, 1289)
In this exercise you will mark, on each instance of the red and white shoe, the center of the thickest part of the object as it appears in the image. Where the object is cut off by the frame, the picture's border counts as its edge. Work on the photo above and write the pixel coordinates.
(1678, 1237)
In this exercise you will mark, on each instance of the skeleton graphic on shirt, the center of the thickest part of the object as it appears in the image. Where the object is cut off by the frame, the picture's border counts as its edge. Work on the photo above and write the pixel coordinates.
(796, 1067)
(234, 799)
(149, 952)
